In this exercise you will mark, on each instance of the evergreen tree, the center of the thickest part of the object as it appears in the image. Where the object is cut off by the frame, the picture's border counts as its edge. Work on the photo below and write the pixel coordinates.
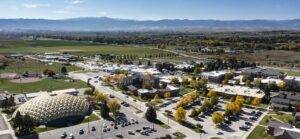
(151, 114)
(63, 70)
(104, 110)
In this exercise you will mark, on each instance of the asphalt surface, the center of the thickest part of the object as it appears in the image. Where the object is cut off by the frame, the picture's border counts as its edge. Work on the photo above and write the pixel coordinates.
(6, 136)
(99, 134)
(3, 125)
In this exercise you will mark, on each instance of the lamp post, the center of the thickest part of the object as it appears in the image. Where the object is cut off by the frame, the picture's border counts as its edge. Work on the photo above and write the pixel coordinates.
(88, 125)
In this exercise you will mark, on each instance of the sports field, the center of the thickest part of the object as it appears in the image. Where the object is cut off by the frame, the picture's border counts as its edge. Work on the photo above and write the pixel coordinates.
(47, 84)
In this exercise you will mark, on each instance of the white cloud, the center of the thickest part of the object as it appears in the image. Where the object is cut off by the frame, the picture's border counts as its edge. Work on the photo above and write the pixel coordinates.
(36, 5)
(74, 1)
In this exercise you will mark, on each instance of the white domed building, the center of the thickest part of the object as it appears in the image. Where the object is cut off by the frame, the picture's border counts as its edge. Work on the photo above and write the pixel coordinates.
(45, 109)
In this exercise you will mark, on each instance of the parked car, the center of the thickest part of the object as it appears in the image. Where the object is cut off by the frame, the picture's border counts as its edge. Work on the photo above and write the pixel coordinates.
(111, 96)
(71, 136)
(119, 135)
(219, 133)
(93, 128)
(248, 123)
(81, 131)
(146, 127)
(63, 135)
(253, 118)
(252, 113)
(144, 133)
(245, 128)
(131, 132)
(228, 122)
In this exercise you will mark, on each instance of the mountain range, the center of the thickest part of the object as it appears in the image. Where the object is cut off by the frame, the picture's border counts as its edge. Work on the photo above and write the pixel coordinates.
(113, 24)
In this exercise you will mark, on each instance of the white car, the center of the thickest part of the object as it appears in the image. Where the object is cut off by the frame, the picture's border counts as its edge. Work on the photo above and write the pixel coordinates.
(71, 136)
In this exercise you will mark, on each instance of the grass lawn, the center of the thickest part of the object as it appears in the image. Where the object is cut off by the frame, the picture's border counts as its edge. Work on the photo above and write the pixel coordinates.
(258, 133)
(29, 65)
(215, 138)
(180, 136)
(292, 73)
(284, 117)
(273, 116)
(47, 84)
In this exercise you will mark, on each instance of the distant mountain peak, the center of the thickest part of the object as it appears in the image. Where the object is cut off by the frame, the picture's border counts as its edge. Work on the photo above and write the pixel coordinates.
(115, 24)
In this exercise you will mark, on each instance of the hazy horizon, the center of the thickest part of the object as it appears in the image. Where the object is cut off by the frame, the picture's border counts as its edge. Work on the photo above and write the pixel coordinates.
(151, 10)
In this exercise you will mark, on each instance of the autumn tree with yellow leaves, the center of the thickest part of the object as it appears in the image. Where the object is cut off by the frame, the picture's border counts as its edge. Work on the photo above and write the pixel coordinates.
(255, 102)
(180, 114)
(217, 117)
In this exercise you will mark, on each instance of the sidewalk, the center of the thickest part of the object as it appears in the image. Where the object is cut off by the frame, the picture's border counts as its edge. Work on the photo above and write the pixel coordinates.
(9, 130)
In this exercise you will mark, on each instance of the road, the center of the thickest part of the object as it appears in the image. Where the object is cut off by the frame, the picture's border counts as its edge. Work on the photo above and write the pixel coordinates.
(175, 127)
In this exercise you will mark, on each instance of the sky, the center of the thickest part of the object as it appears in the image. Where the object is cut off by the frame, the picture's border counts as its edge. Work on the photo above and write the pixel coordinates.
(152, 9)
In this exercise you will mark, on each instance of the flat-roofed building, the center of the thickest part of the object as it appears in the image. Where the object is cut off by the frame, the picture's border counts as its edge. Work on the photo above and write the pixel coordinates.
(293, 82)
(214, 76)
(228, 90)
(263, 72)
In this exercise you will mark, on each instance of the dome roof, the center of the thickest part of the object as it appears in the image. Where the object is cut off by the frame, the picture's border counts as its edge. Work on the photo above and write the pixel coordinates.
(46, 108)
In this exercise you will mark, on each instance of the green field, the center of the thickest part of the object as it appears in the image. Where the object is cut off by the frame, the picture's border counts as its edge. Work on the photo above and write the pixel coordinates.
(33, 66)
(259, 133)
(77, 48)
(274, 116)
(47, 84)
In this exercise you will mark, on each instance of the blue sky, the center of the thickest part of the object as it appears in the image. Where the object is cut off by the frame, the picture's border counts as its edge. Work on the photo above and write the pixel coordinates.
(152, 9)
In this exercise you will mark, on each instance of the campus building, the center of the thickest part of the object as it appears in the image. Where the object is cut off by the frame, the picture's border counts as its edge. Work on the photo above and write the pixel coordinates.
(48, 109)
(227, 90)
(284, 101)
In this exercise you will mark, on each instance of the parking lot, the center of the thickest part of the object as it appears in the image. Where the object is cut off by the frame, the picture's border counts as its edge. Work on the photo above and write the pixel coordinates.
(231, 130)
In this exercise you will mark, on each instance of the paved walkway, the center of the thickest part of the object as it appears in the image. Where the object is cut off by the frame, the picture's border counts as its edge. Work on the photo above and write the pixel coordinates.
(8, 131)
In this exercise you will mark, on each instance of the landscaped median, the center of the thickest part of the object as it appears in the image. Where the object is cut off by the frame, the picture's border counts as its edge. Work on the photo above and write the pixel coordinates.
(186, 124)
